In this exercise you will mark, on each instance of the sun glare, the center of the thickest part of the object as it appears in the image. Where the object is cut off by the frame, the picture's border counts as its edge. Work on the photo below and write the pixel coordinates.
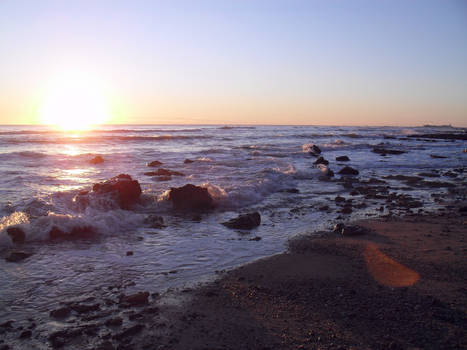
(74, 102)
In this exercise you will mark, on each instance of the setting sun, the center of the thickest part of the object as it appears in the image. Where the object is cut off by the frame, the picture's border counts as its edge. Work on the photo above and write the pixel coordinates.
(74, 102)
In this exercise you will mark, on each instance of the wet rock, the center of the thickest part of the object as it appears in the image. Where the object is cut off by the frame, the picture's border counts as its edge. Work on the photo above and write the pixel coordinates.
(17, 255)
(384, 151)
(25, 334)
(351, 230)
(452, 136)
(166, 172)
(342, 159)
(154, 164)
(257, 238)
(321, 160)
(326, 171)
(129, 332)
(315, 150)
(61, 312)
(348, 171)
(435, 156)
(16, 234)
(76, 233)
(188, 161)
(154, 221)
(60, 338)
(290, 190)
(136, 299)
(124, 187)
(324, 208)
(97, 160)
(244, 222)
(190, 197)
(83, 308)
(114, 322)
(339, 199)
(129, 253)
(106, 345)
(346, 210)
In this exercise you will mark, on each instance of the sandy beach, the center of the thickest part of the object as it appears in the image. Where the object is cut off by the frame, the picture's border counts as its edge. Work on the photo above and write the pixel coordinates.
(401, 286)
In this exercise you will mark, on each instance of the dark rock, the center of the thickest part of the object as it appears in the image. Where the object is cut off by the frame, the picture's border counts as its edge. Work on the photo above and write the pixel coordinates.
(97, 160)
(140, 298)
(129, 332)
(257, 238)
(353, 230)
(190, 197)
(321, 160)
(129, 253)
(290, 190)
(154, 221)
(106, 345)
(83, 308)
(61, 312)
(124, 187)
(76, 233)
(25, 334)
(17, 255)
(339, 199)
(60, 338)
(164, 178)
(342, 159)
(244, 222)
(383, 151)
(16, 234)
(154, 164)
(324, 208)
(166, 172)
(114, 322)
(346, 210)
(338, 228)
(437, 157)
(453, 136)
(188, 161)
(348, 171)
(315, 150)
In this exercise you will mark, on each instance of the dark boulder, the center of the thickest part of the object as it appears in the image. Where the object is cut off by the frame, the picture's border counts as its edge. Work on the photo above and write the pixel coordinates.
(17, 255)
(383, 151)
(342, 159)
(435, 156)
(348, 171)
(76, 232)
(97, 160)
(315, 150)
(154, 221)
(351, 230)
(244, 222)
(124, 187)
(321, 160)
(190, 197)
(154, 164)
(166, 172)
(16, 234)
(188, 161)
(136, 299)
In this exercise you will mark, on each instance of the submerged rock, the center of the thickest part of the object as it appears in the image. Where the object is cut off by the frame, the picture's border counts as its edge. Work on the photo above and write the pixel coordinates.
(97, 160)
(17, 255)
(188, 161)
(383, 151)
(123, 186)
(167, 172)
(154, 221)
(140, 298)
(154, 164)
(16, 234)
(190, 197)
(342, 159)
(321, 160)
(348, 171)
(244, 222)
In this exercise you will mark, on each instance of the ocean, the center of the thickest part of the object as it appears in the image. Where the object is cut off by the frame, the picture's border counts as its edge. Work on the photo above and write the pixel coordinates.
(268, 169)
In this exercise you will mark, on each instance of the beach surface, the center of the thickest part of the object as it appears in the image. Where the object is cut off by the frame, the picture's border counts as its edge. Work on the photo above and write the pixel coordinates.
(401, 286)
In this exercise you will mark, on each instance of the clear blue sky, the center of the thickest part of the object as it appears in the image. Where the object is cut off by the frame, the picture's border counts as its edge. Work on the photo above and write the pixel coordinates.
(242, 61)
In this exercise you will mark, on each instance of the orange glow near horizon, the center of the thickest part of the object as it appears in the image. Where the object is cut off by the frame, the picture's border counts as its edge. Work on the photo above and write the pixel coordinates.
(74, 102)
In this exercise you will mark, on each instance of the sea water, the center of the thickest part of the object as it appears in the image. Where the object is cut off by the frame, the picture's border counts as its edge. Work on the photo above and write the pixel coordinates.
(267, 169)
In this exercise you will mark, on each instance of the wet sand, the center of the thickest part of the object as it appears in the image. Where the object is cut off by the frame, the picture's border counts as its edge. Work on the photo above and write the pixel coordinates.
(401, 286)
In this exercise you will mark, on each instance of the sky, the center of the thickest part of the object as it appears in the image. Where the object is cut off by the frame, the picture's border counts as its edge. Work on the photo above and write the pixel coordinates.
(307, 62)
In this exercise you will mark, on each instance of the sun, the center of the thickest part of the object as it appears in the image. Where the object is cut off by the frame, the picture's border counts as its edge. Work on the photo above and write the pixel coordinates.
(74, 102)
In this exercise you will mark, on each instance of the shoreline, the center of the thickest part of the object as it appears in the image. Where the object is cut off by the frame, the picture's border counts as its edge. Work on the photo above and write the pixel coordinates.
(401, 285)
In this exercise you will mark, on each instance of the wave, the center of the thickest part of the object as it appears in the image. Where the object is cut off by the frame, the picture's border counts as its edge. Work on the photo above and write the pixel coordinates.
(98, 131)
(228, 127)
(99, 139)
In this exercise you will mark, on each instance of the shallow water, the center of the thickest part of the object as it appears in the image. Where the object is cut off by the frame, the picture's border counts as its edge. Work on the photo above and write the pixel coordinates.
(244, 168)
